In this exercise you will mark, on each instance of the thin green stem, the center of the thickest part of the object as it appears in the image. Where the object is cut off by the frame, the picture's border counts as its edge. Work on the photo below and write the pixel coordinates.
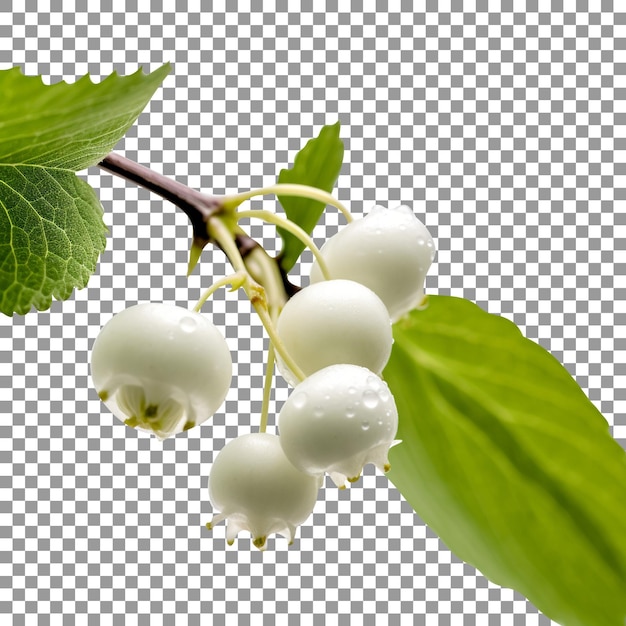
(267, 387)
(236, 280)
(293, 228)
(263, 268)
(256, 293)
(220, 233)
(302, 191)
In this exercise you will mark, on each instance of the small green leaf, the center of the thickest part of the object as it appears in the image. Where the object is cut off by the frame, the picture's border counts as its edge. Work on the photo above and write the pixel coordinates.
(505, 457)
(318, 165)
(51, 227)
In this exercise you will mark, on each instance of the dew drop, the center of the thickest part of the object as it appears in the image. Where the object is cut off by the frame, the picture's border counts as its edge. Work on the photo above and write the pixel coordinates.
(299, 400)
(350, 411)
(365, 425)
(188, 324)
(318, 411)
(380, 422)
(384, 395)
(373, 381)
(404, 209)
(421, 241)
(351, 390)
(370, 399)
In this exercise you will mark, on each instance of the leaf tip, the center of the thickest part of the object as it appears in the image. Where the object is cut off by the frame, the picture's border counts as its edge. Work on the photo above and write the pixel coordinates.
(159, 73)
(194, 254)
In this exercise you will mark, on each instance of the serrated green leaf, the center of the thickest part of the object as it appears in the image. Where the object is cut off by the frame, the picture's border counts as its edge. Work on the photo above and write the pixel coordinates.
(318, 165)
(505, 457)
(69, 126)
(51, 227)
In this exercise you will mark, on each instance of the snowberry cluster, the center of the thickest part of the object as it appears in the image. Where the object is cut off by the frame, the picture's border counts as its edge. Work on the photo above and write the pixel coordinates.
(164, 369)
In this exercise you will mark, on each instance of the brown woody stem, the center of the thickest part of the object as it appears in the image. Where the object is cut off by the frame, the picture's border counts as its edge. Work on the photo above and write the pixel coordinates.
(197, 206)
(200, 209)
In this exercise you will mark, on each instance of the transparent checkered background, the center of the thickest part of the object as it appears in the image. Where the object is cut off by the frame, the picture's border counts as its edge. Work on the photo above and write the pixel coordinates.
(499, 122)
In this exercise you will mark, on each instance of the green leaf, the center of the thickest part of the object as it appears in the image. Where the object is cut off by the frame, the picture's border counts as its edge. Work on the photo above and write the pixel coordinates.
(318, 165)
(69, 126)
(509, 462)
(51, 227)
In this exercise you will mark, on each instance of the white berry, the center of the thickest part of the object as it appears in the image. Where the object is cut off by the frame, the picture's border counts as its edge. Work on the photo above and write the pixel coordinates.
(338, 420)
(255, 488)
(161, 368)
(389, 251)
(335, 321)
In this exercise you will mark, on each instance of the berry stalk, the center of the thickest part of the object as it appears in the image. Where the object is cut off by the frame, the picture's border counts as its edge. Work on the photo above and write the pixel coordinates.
(219, 232)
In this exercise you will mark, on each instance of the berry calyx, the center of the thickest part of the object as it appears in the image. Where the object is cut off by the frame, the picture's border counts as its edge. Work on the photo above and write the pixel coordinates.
(335, 321)
(254, 487)
(161, 368)
(389, 250)
(338, 420)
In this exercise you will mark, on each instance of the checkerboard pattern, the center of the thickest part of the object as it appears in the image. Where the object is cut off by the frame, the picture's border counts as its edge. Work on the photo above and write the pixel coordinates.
(501, 122)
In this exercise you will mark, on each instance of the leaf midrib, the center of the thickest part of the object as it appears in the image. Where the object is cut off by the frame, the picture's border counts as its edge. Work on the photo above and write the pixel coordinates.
(68, 138)
(36, 165)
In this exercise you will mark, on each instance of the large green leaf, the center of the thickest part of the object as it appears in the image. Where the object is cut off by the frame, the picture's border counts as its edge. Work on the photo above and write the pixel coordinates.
(51, 227)
(69, 126)
(505, 457)
(318, 165)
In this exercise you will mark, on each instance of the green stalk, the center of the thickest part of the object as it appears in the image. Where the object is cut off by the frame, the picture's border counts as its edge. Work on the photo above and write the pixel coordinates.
(302, 191)
(256, 293)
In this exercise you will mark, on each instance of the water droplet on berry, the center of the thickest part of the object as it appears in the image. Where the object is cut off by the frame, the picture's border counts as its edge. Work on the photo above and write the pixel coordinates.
(403, 208)
(352, 390)
(188, 324)
(365, 425)
(318, 411)
(350, 411)
(370, 399)
(373, 381)
(299, 400)
(384, 395)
